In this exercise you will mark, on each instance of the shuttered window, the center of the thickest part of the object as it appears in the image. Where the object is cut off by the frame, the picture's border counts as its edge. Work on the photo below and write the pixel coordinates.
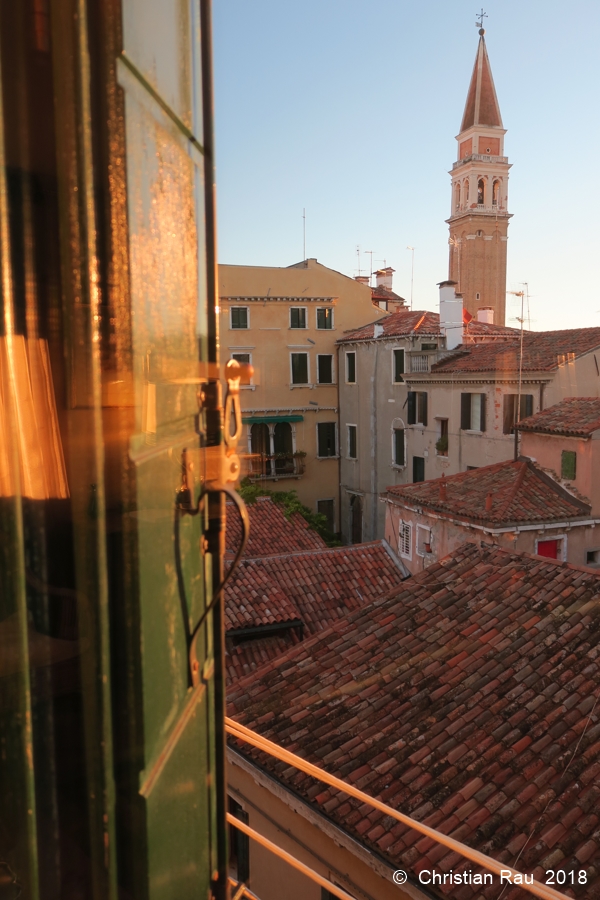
(325, 369)
(473, 412)
(398, 365)
(417, 407)
(510, 410)
(568, 464)
(299, 368)
(326, 444)
(404, 539)
(399, 457)
(351, 368)
(352, 441)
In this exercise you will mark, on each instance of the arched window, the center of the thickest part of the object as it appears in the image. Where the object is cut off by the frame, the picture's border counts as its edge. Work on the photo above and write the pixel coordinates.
(480, 192)
(495, 193)
(457, 196)
(466, 190)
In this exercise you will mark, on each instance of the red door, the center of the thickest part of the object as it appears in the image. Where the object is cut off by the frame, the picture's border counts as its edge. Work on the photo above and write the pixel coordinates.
(548, 548)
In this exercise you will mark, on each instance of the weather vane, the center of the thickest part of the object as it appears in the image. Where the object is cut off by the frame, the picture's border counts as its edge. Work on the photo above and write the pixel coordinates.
(481, 16)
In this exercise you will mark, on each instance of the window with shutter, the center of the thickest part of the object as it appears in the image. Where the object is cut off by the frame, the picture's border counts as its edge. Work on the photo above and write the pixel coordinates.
(465, 411)
(351, 368)
(398, 365)
(299, 368)
(411, 403)
(352, 441)
(326, 443)
(482, 423)
(399, 457)
(422, 408)
(325, 369)
(404, 539)
(568, 464)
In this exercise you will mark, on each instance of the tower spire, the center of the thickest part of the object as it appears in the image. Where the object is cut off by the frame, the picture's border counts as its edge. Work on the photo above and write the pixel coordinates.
(482, 106)
(479, 213)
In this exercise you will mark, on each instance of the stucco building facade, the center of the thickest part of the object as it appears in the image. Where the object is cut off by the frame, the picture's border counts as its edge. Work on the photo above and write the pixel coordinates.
(285, 322)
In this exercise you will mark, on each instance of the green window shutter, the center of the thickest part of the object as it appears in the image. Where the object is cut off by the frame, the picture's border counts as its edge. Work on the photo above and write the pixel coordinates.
(351, 368)
(299, 368)
(398, 365)
(352, 441)
(423, 407)
(412, 407)
(509, 413)
(482, 414)
(568, 465)
(465, 411)
(526, 407)
(399, 458)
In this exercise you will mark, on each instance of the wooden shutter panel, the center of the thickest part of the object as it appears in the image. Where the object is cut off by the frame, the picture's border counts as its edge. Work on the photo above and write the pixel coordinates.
(412, 407)
(465, 411)
(482, 415)
(424, 408)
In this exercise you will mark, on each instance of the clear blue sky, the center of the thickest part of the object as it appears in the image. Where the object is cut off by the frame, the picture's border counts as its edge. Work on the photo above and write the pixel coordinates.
(350, 109)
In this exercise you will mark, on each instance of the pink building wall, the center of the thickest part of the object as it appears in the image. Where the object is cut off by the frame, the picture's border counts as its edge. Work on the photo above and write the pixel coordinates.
(576, 541)
(546, 449)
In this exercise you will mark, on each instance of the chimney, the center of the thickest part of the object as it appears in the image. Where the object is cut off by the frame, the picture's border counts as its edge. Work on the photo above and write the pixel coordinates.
(488, 502)
(383, 277)
(377, 330)
(443, 496)
(486, 314)
(451, 314)
(362, 279)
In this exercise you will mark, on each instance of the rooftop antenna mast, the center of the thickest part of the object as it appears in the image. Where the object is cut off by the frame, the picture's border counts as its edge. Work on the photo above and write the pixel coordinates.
(522, 294)
(371, 252)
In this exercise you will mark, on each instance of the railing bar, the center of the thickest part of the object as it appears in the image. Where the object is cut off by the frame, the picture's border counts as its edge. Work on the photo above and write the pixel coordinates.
(283, 854)
(246, 734)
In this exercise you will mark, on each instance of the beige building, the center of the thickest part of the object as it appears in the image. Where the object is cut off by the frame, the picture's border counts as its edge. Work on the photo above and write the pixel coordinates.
(479, 213)
(285, 323)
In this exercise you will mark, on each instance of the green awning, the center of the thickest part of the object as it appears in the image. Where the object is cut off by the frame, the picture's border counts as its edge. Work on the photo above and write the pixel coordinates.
(258, 420)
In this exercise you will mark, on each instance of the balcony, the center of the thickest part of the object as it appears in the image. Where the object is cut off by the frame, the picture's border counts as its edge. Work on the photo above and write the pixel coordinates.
(478, 157)
(262, 467)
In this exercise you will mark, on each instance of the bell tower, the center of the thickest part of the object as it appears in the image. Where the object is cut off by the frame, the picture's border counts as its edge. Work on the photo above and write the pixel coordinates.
(479, 213)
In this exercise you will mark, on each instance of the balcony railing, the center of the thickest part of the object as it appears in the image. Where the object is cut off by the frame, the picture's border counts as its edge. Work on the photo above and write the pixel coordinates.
(479, 157)
(419, 362)
(277, 465)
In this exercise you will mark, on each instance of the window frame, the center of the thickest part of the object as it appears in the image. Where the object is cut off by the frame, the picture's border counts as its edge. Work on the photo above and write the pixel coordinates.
(336, 440)
(300, 383)
(325, 309)
(304, 327)
(482, 412)
(415, 408)
(233, 354)
(562, 538)
(402, 524)
(523, 397)
(233, 327)
(348, 354)
(396, 350)
(428, 530)
(350, 425)
(563, 455)
(331, 357)
(396, 427)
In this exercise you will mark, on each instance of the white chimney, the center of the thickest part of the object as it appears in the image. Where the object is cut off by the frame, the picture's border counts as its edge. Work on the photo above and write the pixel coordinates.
(486, 314)
(383, 277)
(451, 314)
(377, 330)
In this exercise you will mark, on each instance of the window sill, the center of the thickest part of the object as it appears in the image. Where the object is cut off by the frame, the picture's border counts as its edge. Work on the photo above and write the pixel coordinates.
(248, 387)
(472, 431)
(398, 467)
(328, 457)
(326, 384)
(307, 385)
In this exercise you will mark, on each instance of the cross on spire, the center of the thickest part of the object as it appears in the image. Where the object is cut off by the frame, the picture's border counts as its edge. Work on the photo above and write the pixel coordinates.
(481, 16)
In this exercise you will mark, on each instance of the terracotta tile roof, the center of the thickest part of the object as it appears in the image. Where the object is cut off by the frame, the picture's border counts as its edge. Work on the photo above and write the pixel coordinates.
(403, 322)
(578, 416)
(468, 700)
(247, 656)
(310, 590)
(380, 292)
(406, 322)
(543, 351)
(271, 531)
(520, 492)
